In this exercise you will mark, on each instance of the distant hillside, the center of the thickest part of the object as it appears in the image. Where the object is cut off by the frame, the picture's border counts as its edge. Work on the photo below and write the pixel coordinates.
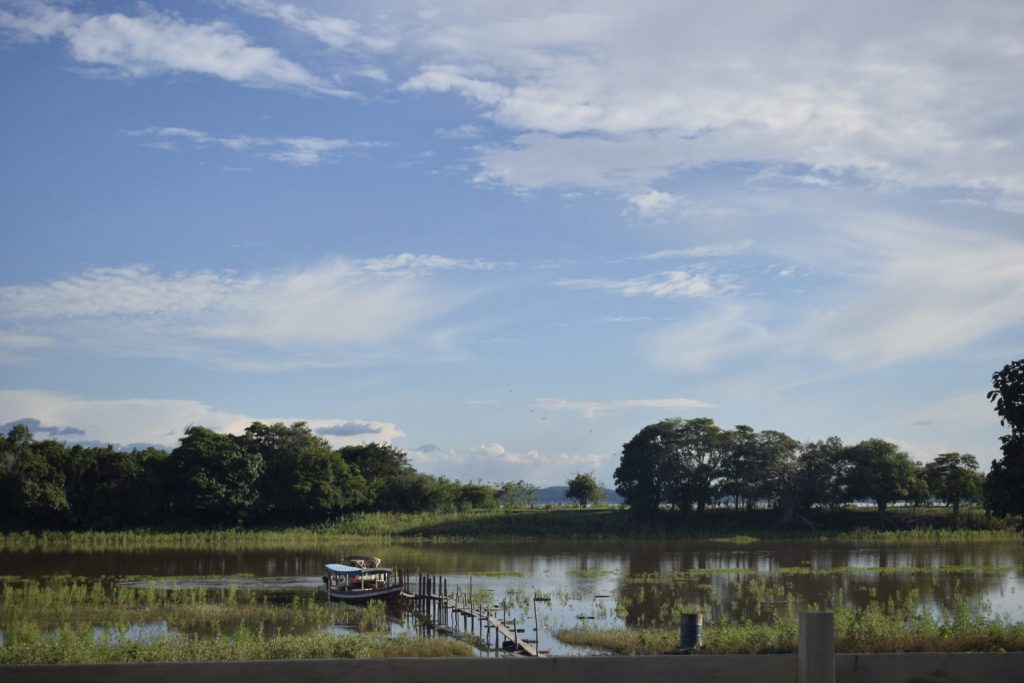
(555, 495)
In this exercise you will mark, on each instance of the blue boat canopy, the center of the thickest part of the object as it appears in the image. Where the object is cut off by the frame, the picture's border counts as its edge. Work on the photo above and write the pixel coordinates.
(346, 570)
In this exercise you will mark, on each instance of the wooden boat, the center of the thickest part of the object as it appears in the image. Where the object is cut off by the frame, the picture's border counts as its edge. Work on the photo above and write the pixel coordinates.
(359, 579)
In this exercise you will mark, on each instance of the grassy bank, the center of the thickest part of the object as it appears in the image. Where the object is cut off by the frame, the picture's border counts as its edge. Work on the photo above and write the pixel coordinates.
(900, 526)
(79, 646)
(79, 621)
(877, 628)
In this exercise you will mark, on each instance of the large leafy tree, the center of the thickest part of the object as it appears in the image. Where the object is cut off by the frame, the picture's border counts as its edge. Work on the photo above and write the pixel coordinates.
(583, 489)
(701, 450)
(382, 466)
(517, 494)
(110, 489)
(954, 478)
(879, 470)
(678, 462)
(303, 479)
(214, 481)
(821, 473)
(759, 466)
(1004, 486)
(648, 467)
(32, 490)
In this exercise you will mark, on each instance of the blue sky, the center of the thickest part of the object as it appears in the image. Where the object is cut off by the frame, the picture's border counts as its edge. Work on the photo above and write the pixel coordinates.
(505, 236)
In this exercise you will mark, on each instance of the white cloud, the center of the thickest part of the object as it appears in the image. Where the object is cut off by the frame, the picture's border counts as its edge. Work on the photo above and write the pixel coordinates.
(699, 345)
(653, 203)
(330, 310)
(493, 462)
(461, 131)
(701, 251)
(423, 262)
(593, 409)
(299, 151)
(899, 288)
(336, 32)
(445, 77)
(669, 284)
(156, 43)
(612, 95)
(158, 421)
(16, 347)
(924, 289)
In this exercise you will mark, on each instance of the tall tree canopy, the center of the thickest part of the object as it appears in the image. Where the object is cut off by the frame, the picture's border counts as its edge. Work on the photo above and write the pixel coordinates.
(583, 489)
(1004, 486)
(879, 471)
(954, 478)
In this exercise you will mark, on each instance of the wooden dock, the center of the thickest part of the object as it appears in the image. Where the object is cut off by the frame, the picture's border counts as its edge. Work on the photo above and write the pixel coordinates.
(459, 615)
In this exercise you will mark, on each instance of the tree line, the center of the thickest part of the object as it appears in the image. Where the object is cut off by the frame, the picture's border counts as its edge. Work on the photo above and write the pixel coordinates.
(270, 474)
(686, 465)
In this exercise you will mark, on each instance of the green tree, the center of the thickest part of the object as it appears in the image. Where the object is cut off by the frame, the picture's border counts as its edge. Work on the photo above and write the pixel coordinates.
(700, 450)
(32, 487)
(821, 474)
(476, 497)
(954, 478)
(213, 480)
(517, 494)
(380, 465)
(110, 489)
(1004, 485)
(303, 479)
(678, 462)
(879, 470)
(583, 489)
(759, 466)
(648, 466)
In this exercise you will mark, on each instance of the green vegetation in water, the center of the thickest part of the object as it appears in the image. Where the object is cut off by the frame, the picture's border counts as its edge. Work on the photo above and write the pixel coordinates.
(889, 627)
(79, 621)
(591, 573)
(77, 645)
(692, 575)
(381, 528)
(497, 574)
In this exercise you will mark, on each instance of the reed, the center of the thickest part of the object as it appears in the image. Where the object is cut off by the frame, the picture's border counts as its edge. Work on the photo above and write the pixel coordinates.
(896, 625)
(717, 526)
(78, 645)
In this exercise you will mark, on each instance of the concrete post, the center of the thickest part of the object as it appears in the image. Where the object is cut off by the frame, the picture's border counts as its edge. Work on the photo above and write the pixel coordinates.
(816, 651)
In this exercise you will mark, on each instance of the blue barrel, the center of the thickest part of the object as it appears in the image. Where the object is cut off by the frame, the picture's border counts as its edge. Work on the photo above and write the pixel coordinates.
(690, 627)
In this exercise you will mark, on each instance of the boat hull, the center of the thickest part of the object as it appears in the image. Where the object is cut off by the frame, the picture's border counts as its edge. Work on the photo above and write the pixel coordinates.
(359, 595)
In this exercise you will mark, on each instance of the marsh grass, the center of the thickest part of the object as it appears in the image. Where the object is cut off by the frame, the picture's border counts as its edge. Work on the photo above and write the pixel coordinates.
(68, 620)
(717, 526)
(74, 645)
(890, 627)
(49, 604)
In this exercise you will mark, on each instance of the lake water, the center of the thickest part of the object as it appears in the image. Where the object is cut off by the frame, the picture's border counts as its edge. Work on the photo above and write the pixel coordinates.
(609, 584)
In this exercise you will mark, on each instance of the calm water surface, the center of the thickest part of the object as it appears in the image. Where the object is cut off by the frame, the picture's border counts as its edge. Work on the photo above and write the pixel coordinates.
(609, 584)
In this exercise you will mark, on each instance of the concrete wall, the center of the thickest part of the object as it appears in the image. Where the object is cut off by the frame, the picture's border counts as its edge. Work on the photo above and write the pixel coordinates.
(873, 668)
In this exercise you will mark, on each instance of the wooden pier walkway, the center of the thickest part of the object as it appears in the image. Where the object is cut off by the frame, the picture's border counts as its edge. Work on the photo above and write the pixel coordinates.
(459, 615)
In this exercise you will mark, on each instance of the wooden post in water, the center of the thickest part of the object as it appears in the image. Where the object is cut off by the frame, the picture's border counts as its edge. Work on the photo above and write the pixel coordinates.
(816, 651)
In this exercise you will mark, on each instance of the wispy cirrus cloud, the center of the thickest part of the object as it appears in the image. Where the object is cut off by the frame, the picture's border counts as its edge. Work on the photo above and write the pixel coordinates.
(154, 43)
(333, 310)
(613, 97)
(424, 262)
(668, 284)
(592, 409)
(339, 33)
(298, 151)
(717, 249)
